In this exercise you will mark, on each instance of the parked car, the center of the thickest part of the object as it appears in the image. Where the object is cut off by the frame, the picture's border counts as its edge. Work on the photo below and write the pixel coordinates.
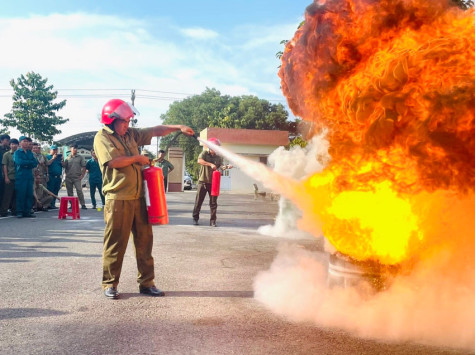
(187, 183)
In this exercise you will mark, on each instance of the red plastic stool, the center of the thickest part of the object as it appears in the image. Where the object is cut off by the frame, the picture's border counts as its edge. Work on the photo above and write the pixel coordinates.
(63, 207)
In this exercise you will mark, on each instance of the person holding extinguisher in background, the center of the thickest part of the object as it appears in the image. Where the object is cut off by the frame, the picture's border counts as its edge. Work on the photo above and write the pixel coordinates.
(116, 147)
(209, 161)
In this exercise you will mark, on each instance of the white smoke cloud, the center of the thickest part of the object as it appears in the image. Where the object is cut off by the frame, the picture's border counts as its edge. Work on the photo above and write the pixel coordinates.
(426, 306)
(296, 163)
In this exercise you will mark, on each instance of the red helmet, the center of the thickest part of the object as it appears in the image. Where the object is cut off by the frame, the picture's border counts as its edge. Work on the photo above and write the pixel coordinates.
(117, 108)
(214, 141)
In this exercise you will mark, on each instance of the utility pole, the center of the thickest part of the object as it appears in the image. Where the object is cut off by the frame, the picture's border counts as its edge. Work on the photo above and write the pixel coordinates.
(132, 98)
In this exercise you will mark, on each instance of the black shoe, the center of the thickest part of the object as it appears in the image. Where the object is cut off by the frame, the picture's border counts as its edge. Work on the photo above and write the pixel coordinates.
(31, 215)
(213, 224)
(195, 222)
(152, 291)
(84, 207)
(94, 207)
(4, 215)
(111, 292)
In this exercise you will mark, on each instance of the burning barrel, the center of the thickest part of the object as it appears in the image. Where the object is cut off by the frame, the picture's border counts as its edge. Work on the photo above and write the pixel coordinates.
(346, 272)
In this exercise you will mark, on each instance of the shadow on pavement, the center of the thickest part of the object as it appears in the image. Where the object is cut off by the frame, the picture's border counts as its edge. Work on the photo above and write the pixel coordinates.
(11, 313)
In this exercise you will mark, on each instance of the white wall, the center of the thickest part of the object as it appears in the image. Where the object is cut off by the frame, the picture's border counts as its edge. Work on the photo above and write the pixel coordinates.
(240, 182)
(250, 149)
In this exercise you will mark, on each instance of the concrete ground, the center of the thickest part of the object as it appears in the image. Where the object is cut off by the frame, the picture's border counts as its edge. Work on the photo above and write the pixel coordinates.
(51, 300)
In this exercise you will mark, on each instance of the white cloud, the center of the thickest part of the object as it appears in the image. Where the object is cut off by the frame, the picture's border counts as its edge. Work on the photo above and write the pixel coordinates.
(79, 51)
(199, 33)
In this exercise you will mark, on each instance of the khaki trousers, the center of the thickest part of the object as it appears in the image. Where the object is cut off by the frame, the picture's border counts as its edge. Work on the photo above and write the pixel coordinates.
(77, 185)
(123, 217)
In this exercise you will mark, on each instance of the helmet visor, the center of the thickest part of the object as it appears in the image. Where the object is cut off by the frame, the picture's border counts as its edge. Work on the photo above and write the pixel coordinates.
(125, 112)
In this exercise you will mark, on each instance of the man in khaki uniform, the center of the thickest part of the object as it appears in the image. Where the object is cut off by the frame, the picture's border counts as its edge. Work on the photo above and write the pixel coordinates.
(75, 169)
(209, 162)
(42, 195)
(117, 149)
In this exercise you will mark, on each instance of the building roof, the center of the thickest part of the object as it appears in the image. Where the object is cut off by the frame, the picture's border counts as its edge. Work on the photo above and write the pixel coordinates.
(247, 136)
(83, 140)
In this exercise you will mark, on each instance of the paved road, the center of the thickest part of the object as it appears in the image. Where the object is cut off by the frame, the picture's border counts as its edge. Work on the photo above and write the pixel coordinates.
(51, 300)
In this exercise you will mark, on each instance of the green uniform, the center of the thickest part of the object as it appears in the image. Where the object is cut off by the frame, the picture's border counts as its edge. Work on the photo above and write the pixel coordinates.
(95, 181)
(204, 186)
(73, 167)
(125, 210)
(3, 150)
(9, 198)
(206, 172)
(166, 166)
(55, 170)
(25, 162)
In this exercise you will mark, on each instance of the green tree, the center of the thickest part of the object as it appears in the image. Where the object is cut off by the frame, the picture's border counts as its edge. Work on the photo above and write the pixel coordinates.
(33, 111)
(211, 109)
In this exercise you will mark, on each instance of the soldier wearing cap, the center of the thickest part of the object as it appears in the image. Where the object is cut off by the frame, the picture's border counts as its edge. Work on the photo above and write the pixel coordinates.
(117, 149)
(54, 161)
(25, 162)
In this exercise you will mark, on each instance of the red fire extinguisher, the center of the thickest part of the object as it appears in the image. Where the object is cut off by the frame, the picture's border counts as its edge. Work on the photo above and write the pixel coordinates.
(215, 183)
(155, 195)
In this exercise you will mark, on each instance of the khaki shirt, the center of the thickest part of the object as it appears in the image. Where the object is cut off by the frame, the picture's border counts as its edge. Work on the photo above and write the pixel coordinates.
(206, 172)
(121, 183)
(7, 160)
(73, 166)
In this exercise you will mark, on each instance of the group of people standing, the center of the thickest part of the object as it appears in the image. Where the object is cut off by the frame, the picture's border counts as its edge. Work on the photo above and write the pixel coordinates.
(30, 180)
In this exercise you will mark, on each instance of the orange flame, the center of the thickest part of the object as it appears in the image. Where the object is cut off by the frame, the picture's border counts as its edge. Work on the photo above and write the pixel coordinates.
(394, 82)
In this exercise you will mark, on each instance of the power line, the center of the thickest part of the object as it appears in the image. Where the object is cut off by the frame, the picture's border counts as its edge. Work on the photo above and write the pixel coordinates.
(125, 94)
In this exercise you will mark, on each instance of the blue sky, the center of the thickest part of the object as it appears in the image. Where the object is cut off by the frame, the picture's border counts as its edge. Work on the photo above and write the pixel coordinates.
(95, 50)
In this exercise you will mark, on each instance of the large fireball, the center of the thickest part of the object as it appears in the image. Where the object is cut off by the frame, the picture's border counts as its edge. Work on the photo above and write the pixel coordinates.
(394, 82)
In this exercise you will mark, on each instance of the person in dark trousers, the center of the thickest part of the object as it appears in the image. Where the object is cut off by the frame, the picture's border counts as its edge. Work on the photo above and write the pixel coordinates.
(8, 168)
(4, 147)
(95, 179)
(25, 162)
(209, 162)
(165, 165)
(54, 161)
(116, 146)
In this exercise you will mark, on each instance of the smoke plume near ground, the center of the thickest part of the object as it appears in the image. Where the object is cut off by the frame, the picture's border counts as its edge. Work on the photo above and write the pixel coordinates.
(297, 163)
(423, 307)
